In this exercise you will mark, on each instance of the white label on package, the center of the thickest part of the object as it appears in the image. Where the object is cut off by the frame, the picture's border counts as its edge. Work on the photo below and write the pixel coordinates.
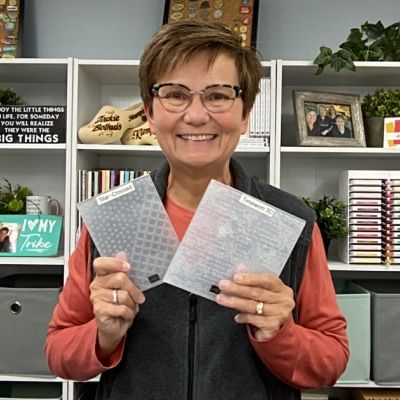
(134, 222)
(115, 193)
(226, 236)
(257, 205)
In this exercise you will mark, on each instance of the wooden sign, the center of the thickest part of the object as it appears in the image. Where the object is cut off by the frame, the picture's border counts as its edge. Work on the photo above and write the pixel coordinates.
(32, 124)
(239, 15)
(29, 235)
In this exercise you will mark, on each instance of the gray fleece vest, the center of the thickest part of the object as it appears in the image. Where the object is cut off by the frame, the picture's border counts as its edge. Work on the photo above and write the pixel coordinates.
(185, 347)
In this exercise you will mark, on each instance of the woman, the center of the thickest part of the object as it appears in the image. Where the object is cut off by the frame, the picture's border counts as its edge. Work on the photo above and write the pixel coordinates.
(264, 337)
(311, 118)
(5, 244)
(340, 129)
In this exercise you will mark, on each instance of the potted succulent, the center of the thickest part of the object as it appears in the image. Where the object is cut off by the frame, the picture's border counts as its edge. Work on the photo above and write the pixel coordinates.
(13, 198)
(9, 98)
(331, 218)
(370, 42)
(375, 107)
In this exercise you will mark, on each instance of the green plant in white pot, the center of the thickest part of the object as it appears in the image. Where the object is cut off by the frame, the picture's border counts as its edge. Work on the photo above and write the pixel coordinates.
(331, 218)
(13, 198)
(383, 103)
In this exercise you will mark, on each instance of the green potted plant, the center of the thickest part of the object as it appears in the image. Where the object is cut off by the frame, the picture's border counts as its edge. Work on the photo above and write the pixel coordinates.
(375, 107)
(13, 198)
(331, 218)
(9, 98)
(371, 42)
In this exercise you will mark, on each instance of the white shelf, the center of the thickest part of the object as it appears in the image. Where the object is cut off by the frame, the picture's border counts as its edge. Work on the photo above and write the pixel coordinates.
(111, 72)
(339, 266)
(112, 149)
(37, 149)
(30, 378)
(369, 384)
(339, 152)
(32, 70)
(302, 73)
(32, 260)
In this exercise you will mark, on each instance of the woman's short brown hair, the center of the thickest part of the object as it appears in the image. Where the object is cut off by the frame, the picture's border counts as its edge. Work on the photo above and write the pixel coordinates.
(174, 45)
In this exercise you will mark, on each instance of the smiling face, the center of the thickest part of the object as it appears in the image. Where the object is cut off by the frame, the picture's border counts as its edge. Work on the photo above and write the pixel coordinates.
(197, 139)
(340, 122)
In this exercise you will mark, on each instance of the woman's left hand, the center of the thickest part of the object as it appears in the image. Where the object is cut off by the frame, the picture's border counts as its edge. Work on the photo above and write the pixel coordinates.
(262, 300)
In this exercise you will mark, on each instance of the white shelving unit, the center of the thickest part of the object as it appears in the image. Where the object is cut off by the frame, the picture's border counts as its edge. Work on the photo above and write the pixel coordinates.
(315, 171)
(45, 169)
(101, 82)
(84, 86)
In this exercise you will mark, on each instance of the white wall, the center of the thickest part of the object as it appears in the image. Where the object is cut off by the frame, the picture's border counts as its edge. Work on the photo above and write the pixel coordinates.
(119, 29)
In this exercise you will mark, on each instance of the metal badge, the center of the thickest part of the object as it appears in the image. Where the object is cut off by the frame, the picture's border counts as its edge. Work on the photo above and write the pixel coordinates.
(243, 28)
(176, 16)
(178, 7)
(205, 4)
(218, 14)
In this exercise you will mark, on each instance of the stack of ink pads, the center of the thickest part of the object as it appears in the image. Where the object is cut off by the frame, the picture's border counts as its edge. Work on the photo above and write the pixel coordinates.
(373, 199)
(391, 221)
(365, 223)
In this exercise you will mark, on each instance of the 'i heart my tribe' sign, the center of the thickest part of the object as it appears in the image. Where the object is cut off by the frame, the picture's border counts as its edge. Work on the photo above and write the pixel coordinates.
(29, 235)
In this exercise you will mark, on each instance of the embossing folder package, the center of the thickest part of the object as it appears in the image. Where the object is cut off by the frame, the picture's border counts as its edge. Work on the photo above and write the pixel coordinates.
(132, 218)
(230, 230)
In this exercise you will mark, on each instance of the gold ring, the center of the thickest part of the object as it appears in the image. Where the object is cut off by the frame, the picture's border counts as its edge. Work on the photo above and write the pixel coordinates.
(259, 308)
(115, 296)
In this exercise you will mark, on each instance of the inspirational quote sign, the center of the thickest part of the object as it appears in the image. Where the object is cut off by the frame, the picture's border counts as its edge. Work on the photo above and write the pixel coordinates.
(32, 124)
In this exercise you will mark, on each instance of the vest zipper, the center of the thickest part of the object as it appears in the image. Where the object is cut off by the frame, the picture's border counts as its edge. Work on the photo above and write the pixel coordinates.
(192, 321)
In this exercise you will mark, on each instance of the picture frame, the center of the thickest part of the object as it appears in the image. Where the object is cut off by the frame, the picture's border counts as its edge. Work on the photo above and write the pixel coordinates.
(239, 15)
(341, 126)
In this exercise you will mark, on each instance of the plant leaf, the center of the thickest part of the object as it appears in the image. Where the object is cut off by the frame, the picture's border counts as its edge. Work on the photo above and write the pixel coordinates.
(373, 31)
(342, 59)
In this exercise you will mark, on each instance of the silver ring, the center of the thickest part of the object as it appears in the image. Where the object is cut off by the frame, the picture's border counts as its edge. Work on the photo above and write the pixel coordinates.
(260, 308)
(115, 296)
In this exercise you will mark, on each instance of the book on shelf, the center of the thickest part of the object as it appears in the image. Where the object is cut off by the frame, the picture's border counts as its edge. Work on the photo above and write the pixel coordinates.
(258, 133)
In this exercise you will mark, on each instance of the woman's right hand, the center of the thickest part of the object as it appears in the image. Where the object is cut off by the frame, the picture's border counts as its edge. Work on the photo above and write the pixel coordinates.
(115, 300)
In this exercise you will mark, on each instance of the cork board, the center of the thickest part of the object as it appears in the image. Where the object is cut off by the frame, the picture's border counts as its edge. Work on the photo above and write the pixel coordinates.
(10, 26)
(239, 15)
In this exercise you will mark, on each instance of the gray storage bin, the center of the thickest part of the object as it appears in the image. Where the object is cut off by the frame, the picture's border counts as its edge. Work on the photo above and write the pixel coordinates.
(26, 306)
(354, 302)
(30, 391)
(385, 307)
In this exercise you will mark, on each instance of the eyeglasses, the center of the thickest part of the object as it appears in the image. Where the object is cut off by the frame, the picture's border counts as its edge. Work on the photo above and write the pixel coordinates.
(176, 98)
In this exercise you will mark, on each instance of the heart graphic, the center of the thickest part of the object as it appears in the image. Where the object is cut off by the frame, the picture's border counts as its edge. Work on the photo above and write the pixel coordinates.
(32, 223)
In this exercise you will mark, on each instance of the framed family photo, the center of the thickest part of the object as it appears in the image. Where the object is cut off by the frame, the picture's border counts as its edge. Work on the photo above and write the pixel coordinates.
(239, 15)
(328, 119)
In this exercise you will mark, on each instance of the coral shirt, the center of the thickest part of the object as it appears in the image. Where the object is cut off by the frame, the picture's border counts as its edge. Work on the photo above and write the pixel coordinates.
(312, 353)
